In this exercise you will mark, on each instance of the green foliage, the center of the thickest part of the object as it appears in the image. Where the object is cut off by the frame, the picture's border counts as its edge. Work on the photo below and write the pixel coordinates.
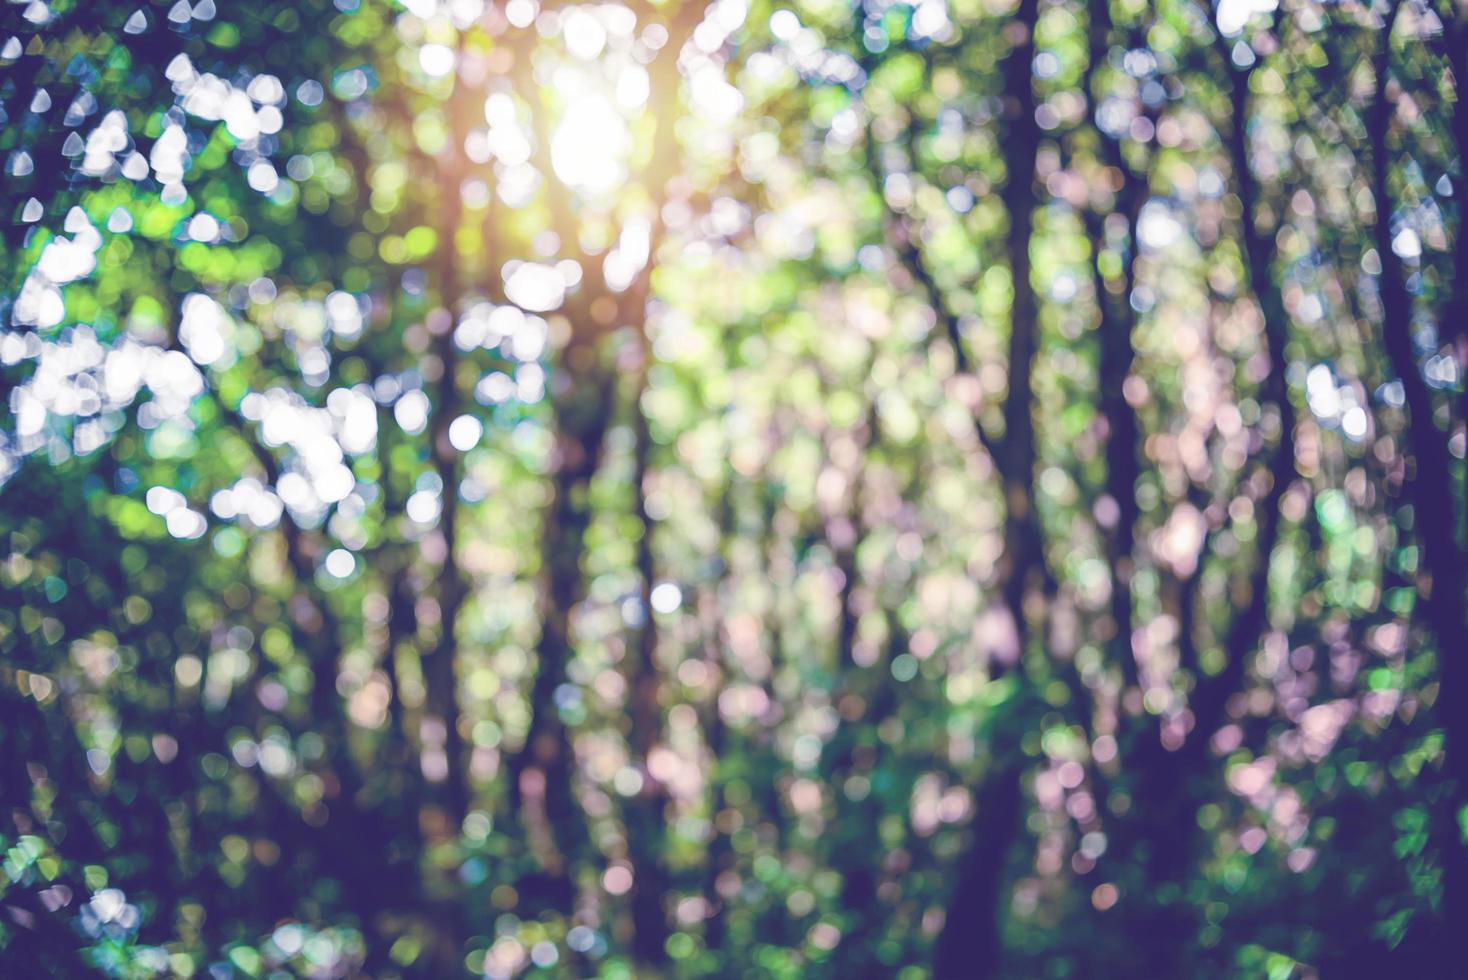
(731, 489)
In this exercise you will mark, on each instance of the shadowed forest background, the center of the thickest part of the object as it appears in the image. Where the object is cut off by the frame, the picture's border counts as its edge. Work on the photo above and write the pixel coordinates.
(954, 488)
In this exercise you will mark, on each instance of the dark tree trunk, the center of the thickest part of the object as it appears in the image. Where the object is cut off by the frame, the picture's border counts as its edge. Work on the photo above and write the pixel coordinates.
(540, 776)
(971, 942)
(646, 814)
(1431, 480)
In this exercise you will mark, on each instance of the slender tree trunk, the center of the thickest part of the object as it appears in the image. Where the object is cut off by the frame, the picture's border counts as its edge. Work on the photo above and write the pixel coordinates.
(971, 942)
(718, 856)
(1022, 553)
(1163, 829)
(541, 775)
(647, 813)
(439, 664)
(1431, 480)
(1117, 355)
(440, 730)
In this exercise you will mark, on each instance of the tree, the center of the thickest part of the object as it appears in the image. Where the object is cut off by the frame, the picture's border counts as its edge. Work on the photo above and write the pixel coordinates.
(682, 489)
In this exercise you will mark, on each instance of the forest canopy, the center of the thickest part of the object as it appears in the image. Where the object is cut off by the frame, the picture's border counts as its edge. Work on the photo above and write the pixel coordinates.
(913, 488)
